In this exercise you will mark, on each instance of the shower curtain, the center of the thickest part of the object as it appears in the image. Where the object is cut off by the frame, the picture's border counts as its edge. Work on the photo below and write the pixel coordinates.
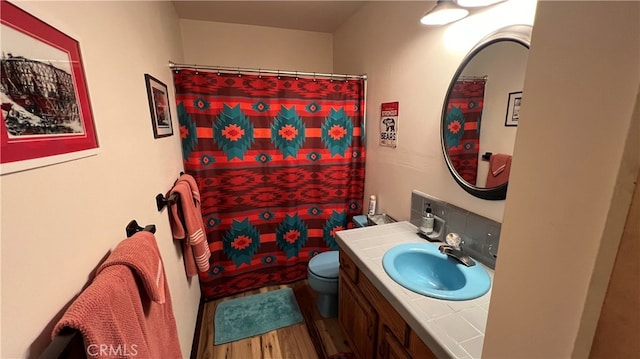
(280, 164)
(462, 127)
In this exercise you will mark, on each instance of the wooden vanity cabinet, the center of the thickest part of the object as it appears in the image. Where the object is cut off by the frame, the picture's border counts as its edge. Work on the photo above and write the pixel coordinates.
(389, 347)
(358, 319)
(373, 326)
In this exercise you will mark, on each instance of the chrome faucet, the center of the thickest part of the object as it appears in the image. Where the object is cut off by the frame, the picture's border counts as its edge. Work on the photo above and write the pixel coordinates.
(452, 249)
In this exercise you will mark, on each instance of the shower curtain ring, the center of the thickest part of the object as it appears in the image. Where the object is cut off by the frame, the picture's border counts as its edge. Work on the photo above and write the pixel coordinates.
(296, 75)
(218, 70)
(259, 73)
(314, 77)
(239, 74)
(278, 74)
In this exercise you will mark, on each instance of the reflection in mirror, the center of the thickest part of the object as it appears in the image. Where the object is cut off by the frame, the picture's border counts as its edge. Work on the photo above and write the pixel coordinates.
(481, 112)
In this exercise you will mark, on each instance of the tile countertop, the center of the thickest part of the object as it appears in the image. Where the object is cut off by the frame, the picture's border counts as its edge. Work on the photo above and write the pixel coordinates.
(451, 329)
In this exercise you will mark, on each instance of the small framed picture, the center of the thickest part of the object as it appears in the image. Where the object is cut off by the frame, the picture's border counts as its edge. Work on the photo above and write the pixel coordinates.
(513, 109)
(159, 107)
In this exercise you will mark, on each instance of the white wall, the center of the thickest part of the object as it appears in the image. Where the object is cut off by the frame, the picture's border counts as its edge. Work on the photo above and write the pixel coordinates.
(578, 154)
(60, 221)
(235, 45)
(413, 64)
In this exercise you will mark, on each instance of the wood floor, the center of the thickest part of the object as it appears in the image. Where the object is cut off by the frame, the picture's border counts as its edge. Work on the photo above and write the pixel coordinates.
(317, 337)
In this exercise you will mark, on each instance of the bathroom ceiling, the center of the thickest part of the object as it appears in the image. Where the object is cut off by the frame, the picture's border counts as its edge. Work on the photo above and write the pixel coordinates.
(319, 16)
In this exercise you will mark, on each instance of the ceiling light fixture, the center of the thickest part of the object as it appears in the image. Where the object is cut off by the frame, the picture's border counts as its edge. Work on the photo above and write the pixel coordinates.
(477, 3)
(445, 12)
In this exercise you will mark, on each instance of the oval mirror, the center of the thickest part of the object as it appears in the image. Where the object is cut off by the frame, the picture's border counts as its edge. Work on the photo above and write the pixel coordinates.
(481, 111)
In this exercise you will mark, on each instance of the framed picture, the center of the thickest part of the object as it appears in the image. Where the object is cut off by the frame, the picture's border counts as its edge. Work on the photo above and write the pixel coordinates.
(45, 110)
(513, 109)
(159, 107)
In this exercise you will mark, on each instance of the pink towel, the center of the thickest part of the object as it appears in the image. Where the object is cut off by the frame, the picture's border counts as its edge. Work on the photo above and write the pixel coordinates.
(196, 247)
(126, 311)
(499, 169)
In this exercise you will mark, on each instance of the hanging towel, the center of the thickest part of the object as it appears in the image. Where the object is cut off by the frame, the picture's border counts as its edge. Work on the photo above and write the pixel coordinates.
(499, 168)
(126, 311)
(195, 245)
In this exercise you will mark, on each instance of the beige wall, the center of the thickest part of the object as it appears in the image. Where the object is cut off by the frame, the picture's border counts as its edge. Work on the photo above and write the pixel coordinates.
(59, 222)
(562, 220)
(413, 64)
(578, 156)
(234, 45)
(619, 324)
(575, 160)
(67, 217)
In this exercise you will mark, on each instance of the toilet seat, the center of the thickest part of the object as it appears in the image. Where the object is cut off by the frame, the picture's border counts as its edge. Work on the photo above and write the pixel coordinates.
(325, 265)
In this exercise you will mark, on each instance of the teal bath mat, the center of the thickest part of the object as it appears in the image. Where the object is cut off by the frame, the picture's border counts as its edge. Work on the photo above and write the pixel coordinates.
(245, 317)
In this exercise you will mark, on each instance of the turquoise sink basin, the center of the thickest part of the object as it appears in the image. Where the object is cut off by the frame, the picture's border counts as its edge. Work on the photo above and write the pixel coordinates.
(421, 268)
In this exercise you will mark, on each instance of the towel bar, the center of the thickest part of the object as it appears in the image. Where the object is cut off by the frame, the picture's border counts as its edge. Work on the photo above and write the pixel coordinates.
(67, 344)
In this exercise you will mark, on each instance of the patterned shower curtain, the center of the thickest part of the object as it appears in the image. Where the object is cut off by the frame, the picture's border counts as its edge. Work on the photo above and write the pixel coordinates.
(462, 127)
(280, 165)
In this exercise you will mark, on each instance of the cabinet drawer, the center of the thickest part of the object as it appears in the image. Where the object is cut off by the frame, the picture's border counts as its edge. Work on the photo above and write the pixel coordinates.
(388, 315)
(418, 348)
(347, 265)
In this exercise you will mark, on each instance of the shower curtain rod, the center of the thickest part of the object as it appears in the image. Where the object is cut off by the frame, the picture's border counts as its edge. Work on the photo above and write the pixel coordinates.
(243, 70)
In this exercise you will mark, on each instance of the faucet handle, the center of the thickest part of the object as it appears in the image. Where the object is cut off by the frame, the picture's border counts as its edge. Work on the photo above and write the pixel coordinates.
(454, 240)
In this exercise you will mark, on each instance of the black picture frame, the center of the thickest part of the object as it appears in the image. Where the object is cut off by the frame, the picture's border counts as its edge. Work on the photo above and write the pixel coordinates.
(159, 107)
(513, 109)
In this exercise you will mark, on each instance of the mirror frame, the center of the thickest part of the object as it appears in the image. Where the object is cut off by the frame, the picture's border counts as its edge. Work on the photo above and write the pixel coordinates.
(517, 33)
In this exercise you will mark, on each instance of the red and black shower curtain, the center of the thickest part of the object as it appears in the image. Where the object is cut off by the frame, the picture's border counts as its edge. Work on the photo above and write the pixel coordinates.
(279, 162)
(462, 127)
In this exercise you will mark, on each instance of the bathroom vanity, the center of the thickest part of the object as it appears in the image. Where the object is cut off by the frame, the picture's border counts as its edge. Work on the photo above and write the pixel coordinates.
(382, 319)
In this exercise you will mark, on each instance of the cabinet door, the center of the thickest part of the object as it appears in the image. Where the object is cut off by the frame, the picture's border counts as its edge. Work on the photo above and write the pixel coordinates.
(418, 348)
(390, 347)
(358, 319)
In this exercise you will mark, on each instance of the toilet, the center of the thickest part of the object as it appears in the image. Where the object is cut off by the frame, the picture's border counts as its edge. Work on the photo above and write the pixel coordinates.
(322, 274)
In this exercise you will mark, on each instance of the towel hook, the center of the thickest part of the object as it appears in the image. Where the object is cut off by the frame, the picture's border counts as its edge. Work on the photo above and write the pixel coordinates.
(162, 201)
(133, 228)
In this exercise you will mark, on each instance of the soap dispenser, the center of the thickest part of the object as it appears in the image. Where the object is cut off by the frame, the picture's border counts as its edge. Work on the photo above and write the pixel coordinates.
(427, 220)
